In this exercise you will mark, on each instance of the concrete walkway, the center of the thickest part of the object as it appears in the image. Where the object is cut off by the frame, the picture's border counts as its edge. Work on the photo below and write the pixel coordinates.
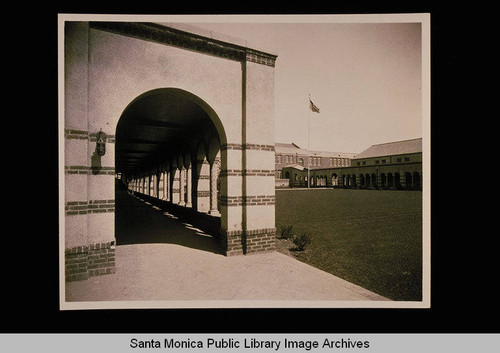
(161, 258)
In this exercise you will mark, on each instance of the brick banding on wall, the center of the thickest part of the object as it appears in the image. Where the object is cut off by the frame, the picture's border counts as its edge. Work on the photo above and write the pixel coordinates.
(231, 200)
(85, 170)
(82, 262)
(230, 172)
(231, 146)
(271, 231)
(247, 172)
(258, 172)
(260, 200)
(72, 134)
(248, 146)
(258, 147)
(76, 134)
(109, 138)
(92, 206)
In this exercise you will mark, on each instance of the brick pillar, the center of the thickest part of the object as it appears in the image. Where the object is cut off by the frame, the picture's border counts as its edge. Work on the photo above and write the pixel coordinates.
(231, 200)
(168, 185)
(189, 176)
(161, 186)
(91, 260)
(258, 158)
(203, 186)
(182, 185)
(176, 186)
(402, 179)
(214, 176)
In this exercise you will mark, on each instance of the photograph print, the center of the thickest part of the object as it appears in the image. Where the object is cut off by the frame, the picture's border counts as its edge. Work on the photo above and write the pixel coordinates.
(251, 161)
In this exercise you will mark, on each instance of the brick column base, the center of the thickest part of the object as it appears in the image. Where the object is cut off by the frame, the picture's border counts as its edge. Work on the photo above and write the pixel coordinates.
(248, 242)
(232, 242)
(83, 262)
(260, 240)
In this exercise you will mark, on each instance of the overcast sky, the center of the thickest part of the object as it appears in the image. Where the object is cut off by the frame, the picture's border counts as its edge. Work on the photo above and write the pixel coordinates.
(366, 79)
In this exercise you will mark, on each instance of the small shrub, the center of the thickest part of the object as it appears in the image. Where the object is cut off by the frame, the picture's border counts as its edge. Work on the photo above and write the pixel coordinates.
(285, 232)
(301, 241)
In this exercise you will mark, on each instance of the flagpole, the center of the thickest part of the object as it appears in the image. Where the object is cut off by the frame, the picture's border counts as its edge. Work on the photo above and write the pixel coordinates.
(309, 146)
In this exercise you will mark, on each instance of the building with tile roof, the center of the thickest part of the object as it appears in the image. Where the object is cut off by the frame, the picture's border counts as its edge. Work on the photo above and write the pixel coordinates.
(290, 154)
(391, 165)
(392, 149)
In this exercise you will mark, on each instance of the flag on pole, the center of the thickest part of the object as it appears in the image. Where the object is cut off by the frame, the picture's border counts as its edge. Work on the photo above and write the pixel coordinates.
(313, 107)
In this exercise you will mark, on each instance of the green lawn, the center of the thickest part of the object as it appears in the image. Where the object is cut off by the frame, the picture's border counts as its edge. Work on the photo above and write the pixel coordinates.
(369, 237)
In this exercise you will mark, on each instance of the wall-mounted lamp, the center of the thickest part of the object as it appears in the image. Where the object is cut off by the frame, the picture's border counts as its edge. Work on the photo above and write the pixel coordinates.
(101, 143)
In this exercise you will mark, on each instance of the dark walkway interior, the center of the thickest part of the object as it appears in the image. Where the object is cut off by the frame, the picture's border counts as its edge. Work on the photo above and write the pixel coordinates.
(138, 221)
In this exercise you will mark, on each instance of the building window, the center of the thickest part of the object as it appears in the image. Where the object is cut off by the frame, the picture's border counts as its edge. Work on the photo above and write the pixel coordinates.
(398, 160)
(377, 162)
(364, 163)
(407, 159)
(331, 161)
(383, 161)
(358, 163)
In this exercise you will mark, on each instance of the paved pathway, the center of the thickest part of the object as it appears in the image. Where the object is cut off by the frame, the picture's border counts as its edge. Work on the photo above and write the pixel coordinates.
(162, 258)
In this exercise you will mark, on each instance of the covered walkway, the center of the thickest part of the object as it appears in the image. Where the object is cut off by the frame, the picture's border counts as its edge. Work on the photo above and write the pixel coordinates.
(160, 257)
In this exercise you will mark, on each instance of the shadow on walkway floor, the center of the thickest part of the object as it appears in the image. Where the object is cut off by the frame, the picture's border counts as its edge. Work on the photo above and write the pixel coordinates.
(138, 221)
(162, 261)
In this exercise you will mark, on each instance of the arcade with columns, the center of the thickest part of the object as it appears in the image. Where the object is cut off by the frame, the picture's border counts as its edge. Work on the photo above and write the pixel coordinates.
(170, 112)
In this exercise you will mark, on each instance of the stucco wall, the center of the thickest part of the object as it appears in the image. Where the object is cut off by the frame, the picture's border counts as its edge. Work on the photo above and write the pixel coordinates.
(122, 68)
(105, 72)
